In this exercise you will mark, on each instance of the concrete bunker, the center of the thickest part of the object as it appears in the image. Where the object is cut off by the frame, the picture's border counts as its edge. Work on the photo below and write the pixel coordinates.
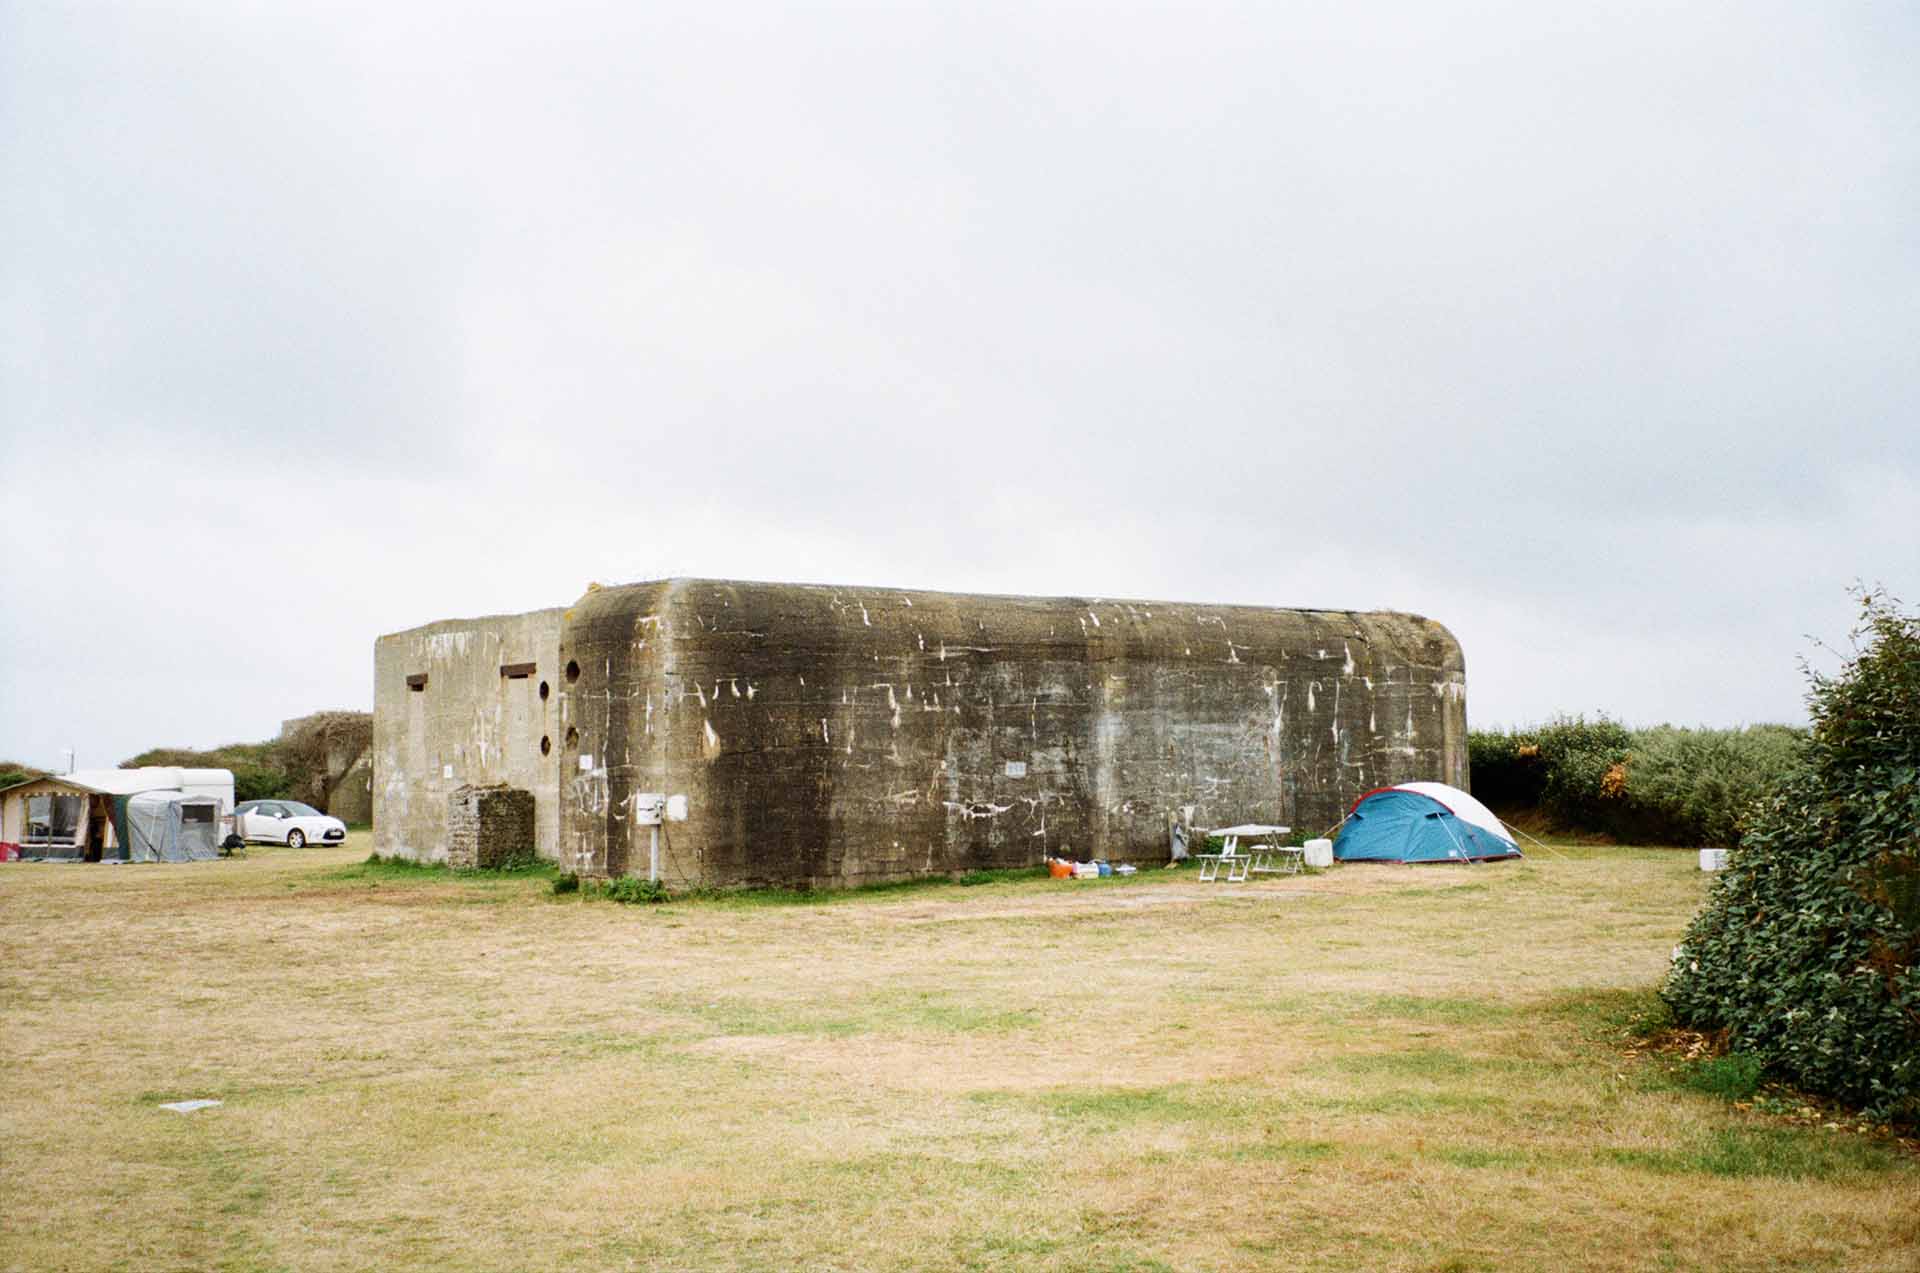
(827, 736)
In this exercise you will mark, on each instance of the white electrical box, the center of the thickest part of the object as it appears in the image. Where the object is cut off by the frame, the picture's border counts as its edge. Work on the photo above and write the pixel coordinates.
(648, 807)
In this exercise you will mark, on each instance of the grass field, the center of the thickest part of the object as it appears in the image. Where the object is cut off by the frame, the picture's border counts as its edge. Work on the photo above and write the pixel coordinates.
(1374, 1068)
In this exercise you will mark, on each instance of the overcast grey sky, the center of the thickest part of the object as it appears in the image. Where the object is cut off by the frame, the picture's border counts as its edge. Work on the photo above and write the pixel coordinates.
(1589, 330)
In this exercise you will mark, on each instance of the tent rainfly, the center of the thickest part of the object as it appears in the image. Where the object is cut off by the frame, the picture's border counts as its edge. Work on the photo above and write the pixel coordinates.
(1422, 822)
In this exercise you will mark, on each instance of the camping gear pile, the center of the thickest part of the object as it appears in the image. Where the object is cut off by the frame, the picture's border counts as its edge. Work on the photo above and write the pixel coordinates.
(1409, 823)
(1067, 869)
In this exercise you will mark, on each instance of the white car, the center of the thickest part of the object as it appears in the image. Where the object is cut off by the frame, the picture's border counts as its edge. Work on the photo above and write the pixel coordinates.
(286, 822)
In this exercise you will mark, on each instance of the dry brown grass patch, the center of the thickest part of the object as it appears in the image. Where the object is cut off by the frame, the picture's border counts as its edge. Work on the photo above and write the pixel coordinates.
(1390, 1069)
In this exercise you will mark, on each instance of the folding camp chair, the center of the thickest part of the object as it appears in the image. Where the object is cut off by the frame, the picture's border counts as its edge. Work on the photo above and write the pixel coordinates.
(1236, 862)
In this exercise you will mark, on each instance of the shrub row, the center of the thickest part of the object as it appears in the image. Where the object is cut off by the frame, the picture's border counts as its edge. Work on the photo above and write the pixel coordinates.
(1664, 785)
(259, 770)
(12, 771)
(293, 766)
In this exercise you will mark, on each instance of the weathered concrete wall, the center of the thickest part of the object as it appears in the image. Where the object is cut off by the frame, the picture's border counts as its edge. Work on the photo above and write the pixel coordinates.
(468, 724)
(351, 796)
(832, 736)
(489, 827)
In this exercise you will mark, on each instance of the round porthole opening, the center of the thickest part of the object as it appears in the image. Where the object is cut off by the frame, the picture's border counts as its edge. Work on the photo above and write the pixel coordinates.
(573, 736)
(546, 745)
(545, 690)
(573, 671)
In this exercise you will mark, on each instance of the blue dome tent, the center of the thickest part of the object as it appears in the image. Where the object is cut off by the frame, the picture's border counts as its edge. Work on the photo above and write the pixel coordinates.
(1422, 822)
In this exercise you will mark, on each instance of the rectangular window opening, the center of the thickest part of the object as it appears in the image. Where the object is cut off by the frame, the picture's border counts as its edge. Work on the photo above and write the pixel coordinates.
(417, 682)
(53, 820)
(516, 671)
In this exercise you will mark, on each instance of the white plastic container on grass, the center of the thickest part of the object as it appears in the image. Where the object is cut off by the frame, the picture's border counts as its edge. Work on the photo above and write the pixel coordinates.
(1318, 853)
(1713, 859)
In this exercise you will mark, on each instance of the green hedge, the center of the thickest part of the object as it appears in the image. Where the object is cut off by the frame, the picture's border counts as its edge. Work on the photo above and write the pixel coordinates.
(259, 770)
(12, 771)
(1582, 785)
(1807, 952)
(1506, 769)
(1699, 786)
(1663, 785)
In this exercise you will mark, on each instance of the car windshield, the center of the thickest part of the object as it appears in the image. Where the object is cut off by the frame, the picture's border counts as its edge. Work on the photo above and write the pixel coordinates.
(299, 810)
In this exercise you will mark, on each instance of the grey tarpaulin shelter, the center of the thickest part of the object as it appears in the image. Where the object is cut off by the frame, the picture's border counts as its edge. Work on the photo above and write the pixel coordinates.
(171, 826)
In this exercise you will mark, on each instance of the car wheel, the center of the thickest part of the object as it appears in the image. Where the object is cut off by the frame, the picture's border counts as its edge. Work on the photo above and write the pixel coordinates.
(295, 840)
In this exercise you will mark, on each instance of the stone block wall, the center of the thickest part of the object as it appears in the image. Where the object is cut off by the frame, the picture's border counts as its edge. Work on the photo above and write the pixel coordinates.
(488, 827)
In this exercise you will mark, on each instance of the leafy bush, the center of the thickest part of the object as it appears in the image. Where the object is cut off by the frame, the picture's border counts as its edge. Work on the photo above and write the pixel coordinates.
(1507, 772)
(1663, 785)
(1577, 756)
(1697, 786)
(256, 782)
(566, 883)
(12, 771)
(294, 767)
(1807, 952)
(629, 890)
(259, 772)
(1562, 766)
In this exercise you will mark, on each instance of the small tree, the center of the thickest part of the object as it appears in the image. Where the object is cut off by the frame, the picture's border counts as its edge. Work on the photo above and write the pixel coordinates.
(1807, 952)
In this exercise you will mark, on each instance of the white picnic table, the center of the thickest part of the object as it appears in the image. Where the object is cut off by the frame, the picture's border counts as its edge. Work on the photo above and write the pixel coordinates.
(1260, 855)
